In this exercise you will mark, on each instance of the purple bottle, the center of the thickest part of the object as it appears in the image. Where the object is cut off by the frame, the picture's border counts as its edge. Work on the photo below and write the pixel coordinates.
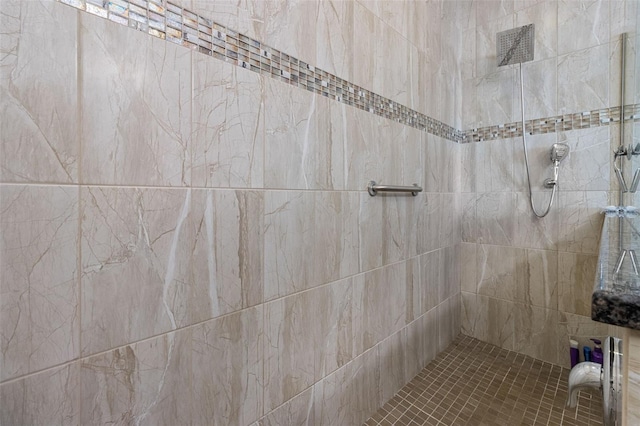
(574, 353)
(597, 351)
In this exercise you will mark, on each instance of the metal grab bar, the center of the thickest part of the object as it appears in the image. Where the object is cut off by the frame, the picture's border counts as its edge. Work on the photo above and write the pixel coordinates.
(374, 188)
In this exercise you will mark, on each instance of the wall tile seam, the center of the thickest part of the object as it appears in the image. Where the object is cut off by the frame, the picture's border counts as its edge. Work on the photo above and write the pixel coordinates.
(80, 360)
(226, 315)
(175, 24)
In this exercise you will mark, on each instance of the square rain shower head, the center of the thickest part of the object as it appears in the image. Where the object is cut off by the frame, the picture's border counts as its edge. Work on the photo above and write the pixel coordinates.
(515, 46)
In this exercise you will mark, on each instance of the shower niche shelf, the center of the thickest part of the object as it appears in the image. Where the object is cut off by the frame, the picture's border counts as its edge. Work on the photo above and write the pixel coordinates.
(616, 294)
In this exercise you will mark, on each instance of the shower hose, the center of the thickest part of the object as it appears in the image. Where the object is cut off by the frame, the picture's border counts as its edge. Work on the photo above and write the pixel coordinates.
(526, 159)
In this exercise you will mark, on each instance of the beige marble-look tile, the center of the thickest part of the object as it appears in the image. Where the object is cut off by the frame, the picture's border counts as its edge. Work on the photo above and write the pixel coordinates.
(136, 259)
(392, 352)
(379, 305)
(370, 147)
(469, 318)
(495, 218)
(497, 271)
(350, 395)
(469, 229)
(544, 15)
(300, 153)
(136, 104)
(495, 321)
(49, 397)
(468, 267)
(39, 290)
(414, 290)
(531, 231)
(307, 336)
(535, 332)
(334, 44)
(227, 254)
(144, 383)
(540, 89)
(584, 77)
(580, 328)
(310, 239)
(633, 383)
(370, 232)
(299, 410)
(227, 357)
(399, 226)
(540, 165)
(494, 165)
(468, 161)
(451, 277)
(582, 24)
(576, 276)
(580, 220)
(487, 30)
(448, 313)
(537, 278)
(450, 232)
(588, 165)
(38, 92)
(421, 347)
(289, 229)
(228, 125)
(431, 279)
(441, 165)
(430, 217)
(292, 27)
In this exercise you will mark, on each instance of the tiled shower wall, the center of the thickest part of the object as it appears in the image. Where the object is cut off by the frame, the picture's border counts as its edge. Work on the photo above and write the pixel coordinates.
(527, 282)
(185, 241)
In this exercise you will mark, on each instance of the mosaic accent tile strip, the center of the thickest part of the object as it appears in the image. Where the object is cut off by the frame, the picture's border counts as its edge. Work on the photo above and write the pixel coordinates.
(165, 20)
(559, 123)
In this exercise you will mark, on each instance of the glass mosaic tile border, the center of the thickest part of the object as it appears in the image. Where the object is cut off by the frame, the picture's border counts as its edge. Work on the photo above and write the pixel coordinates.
(168, 21)
(171, 22)
(559, 123)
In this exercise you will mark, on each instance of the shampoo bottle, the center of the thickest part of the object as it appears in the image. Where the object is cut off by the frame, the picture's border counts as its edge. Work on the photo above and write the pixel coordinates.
(597, 351)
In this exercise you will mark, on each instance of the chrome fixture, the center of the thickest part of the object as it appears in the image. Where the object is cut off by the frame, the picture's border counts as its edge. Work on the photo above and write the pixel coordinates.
(515, 47)
(374, 188)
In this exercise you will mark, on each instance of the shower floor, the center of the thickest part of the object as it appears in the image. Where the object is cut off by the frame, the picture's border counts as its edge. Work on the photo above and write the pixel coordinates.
(475, 383)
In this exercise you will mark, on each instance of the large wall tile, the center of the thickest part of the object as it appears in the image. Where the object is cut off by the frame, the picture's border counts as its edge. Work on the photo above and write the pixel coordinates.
(544, 15)
(580, 220)
(580, 328)
(310, 239)
(392, 352)
(583, 78)
(497, 271)
(38, 92)
(531, 231)
(540, 89)
(535, 332)
(350, 395)
(145, 383)
(49, 397)
(136, 107)
(227, 369)
(334, 44)
(468, 268)
(295, 327)
(379, 305)
(589, 164)
(39, 291)
(582, 24)
(227, 254)
(495, 218)
(494, 165)
(299, 410)
(429, 220)
(299, 151)
(228, 125)
(244, 16)
(537, 278)
(135, 264)
(431, 279)
(576, 276)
